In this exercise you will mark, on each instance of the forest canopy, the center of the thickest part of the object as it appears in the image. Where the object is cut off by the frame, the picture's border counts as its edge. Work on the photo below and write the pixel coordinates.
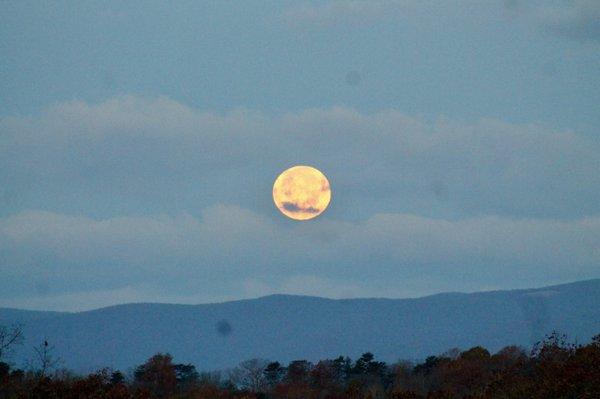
(554, 368)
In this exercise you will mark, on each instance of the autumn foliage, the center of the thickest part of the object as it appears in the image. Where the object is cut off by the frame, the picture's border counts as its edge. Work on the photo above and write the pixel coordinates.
(554, 368)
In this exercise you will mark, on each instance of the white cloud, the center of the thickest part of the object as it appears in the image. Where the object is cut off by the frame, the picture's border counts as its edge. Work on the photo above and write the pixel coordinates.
(231, 235)
(76, 301)
(414, 201)
(145, 250)
(131, 151)
(93, 299)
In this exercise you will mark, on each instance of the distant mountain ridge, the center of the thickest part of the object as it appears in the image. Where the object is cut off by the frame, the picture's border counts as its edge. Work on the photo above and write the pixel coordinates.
(286, 327)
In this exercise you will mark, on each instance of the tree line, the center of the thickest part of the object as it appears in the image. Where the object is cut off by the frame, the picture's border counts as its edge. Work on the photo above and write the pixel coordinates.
(553, 368)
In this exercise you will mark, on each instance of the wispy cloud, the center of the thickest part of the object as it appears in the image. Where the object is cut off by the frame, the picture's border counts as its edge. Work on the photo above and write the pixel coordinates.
(579, 19)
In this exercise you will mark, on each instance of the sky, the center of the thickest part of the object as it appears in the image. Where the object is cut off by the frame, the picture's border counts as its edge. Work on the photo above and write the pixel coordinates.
(139, 142)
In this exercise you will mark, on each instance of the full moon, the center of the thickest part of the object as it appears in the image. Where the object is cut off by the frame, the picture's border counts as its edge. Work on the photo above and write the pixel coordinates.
(301, 192)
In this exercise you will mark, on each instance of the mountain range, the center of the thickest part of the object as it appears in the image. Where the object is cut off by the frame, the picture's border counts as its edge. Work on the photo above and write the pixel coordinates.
(285, 327)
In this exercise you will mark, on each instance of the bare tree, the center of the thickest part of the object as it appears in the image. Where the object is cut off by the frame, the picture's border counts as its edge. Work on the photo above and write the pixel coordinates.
(249, 375)
(45, 358)
(9, 336)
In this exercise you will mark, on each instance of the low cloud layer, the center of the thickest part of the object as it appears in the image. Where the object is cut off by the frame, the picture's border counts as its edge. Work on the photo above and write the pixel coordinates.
(254, 255)
(148, 198)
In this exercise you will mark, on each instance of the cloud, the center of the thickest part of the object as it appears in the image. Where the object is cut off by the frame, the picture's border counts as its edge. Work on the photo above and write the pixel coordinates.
(133, 155)
(308, 285)
(147, 197)
(289, 206)
(76, 301)
(579, 19)
(139, 255)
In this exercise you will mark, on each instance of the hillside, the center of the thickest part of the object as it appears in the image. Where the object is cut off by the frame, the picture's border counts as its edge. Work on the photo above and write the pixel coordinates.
(284, 327)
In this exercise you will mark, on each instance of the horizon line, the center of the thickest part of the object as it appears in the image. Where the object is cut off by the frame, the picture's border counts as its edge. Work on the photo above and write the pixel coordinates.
(255, 298)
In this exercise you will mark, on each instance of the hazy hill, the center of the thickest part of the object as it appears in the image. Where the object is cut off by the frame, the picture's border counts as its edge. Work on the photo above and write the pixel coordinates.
(284, 327)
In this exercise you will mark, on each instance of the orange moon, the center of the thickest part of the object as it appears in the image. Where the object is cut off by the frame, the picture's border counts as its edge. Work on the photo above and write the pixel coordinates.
(301, 192)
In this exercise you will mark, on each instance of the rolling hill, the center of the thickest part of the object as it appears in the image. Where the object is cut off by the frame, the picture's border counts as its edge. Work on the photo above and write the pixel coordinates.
(284, 327)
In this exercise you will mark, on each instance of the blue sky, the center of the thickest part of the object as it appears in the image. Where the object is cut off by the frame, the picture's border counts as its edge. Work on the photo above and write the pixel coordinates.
(139, 142)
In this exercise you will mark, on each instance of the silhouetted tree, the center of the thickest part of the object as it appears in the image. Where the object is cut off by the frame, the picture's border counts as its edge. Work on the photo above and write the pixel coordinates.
(9, 337)
(186, 375)
(157, 375)
(250, 375)
(325, 377)
(117, 377)
(403, 379)
(212, 378)
(45, 360)
(555, 368)
(343, 366)
(298, 371)
(273, 373)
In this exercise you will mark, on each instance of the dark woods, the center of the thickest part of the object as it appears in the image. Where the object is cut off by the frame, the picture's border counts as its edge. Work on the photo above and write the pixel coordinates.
(554, 368)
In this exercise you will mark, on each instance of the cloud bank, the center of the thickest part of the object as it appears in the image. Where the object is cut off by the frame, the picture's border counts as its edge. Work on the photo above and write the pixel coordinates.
(135, 155)
(150, 199)
(70, 252)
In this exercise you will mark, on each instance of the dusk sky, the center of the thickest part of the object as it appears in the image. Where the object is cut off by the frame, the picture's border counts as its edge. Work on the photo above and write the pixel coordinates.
(139, 144)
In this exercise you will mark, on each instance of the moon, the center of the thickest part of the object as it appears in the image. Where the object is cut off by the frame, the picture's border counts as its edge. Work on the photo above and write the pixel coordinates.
(301, 192)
